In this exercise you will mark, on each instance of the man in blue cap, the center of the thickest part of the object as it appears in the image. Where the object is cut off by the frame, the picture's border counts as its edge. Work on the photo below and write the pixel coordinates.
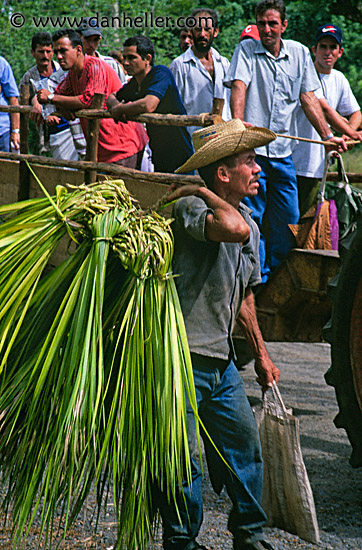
(335, 94)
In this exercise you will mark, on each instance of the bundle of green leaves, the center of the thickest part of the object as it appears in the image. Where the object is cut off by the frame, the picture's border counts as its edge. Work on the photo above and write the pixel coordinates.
(94, 364)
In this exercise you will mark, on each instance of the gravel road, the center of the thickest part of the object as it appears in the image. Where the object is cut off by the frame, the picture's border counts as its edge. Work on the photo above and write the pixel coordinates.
(337, 487)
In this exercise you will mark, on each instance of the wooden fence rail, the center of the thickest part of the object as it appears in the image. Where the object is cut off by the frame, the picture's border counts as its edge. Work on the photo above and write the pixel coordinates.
(90, 165)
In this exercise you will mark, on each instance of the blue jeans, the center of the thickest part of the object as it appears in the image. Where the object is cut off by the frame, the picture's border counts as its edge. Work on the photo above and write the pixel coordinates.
(225, 411)
(5, 142)
(274, 207)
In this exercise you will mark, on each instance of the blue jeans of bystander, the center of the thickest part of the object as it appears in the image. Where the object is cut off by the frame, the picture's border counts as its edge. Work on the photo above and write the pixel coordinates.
(275, 206)
(5, 142)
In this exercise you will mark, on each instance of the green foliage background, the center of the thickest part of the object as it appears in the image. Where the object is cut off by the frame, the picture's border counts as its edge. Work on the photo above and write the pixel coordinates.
(304, 17)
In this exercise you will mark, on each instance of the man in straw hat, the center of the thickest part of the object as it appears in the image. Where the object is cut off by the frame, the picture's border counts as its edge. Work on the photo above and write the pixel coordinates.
(216, 261)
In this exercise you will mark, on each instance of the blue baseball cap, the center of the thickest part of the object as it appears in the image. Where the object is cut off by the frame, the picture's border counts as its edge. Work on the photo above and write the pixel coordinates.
(329, 30)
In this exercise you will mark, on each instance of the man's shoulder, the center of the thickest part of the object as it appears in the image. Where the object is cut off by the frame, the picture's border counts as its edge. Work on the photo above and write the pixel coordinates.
(188, 205)
(90, 61)
(338, 76)
(157, 74)
(249, 47)
(218, 57)
(4, 61)
(295, 46)
(181, 59)
(30, 73)
(160, 69)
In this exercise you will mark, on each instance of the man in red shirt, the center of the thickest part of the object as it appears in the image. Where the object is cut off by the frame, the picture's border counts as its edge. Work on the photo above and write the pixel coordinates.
(121, 143)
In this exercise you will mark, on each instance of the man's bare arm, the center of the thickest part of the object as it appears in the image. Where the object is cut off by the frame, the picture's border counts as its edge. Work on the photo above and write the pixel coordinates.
(36, 112)
(264, 367)
(237, 99)
(15, 123)
(147, 104)
(340, 124)
(62, 102)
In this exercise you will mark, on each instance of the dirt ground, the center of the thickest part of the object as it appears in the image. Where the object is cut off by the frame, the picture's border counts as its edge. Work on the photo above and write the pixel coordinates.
(337, 487)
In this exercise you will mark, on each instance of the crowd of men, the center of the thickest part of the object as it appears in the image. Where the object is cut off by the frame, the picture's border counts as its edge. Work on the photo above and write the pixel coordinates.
(270, 88)
(271, 82)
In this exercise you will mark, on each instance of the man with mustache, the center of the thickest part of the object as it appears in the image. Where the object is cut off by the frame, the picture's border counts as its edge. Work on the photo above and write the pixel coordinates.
(199, 72)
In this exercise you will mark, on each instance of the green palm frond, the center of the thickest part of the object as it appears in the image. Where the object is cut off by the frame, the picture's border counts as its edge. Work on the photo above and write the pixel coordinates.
(94, 363)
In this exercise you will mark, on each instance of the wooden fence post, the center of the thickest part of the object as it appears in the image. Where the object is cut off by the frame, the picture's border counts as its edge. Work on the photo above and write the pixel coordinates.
(92, 138)
(24, 176)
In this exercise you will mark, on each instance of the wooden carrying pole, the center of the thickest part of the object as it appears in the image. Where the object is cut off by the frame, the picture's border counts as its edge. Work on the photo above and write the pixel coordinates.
(319, 142)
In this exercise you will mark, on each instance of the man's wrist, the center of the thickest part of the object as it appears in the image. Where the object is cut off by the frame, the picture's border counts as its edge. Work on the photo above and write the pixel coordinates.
(327, 138)
(15, 131)
(50, 98)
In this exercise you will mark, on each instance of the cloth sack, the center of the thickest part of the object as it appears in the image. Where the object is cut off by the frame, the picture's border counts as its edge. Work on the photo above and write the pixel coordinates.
(330, 222)
(287, 495)
(348, 200)
(318, 228)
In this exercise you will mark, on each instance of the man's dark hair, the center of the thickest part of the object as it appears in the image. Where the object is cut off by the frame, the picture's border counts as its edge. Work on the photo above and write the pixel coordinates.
(208, 172)
(277, 5)
(41, 39)
(117, 55)
(211, 13)
(73, 36)
(143, 44)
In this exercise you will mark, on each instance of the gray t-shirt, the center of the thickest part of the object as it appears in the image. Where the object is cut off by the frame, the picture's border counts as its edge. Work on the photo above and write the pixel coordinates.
(211, 277)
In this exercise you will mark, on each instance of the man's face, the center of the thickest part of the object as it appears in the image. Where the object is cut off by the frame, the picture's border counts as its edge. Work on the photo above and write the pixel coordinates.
(185, 39)
(43, 56)
(204, 34)
(327, 52)
(91, 43)
(271, 28)
(244, 176)
(134, 64)
(65, 53)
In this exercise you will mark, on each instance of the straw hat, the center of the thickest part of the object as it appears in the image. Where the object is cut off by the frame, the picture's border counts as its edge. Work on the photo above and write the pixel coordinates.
(223, 140)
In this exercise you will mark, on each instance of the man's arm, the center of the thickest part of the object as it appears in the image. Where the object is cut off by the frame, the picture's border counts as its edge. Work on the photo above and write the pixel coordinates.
(313, 111)
(340, 124)
(36, 112)
(15, 124)
(68, 103)
(237, 99)
(225, 224)
(264, 367)
(147, 104)
(355, 120)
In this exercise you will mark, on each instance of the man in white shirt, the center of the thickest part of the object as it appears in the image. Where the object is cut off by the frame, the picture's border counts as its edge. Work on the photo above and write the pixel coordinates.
(335, 94)
(268, 79)
(199, 72)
